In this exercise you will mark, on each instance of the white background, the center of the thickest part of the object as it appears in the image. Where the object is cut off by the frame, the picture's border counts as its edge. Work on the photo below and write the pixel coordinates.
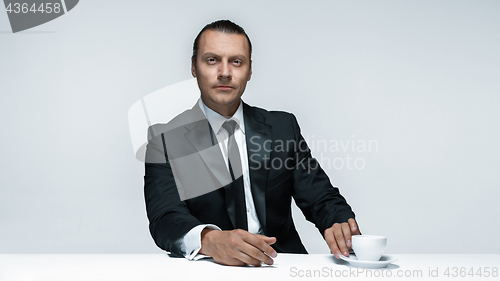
(421, 78)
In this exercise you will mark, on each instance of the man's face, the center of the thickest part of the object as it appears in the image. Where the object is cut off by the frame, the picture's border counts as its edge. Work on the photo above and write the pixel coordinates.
(222, 69)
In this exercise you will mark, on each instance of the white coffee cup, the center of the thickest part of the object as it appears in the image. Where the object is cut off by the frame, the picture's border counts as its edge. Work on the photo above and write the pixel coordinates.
(368, 247)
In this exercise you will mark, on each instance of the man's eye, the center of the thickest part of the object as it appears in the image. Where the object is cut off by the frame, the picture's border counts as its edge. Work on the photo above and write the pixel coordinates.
(211, 60)
(237, 62)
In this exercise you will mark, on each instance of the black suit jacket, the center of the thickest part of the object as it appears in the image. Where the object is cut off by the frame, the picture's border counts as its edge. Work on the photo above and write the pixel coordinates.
(280, 167)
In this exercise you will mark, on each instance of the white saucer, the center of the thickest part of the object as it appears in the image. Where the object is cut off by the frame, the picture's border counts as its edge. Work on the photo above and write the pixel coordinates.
(384, 261)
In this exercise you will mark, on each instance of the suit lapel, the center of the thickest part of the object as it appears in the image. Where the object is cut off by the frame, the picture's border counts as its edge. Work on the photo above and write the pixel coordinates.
(200, 135)
(258, 135)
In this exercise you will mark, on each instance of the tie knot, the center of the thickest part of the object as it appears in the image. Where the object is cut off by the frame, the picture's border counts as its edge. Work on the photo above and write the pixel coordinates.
(230, 126)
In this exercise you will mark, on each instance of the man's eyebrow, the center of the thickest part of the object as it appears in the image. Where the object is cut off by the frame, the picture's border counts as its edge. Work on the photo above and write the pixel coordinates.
(210, 55)
(241, 57)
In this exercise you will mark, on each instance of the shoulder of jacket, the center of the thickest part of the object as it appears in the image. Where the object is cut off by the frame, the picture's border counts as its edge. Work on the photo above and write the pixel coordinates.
(272, 113)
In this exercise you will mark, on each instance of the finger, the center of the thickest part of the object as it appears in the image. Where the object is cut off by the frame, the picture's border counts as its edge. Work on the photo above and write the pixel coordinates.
(242, 251)
(339, 238)
(354, 226)
(229, 261)
(332, 243)
(260, 247)
(268, 240)
(254, 256)
(248, 259)
(346, 230)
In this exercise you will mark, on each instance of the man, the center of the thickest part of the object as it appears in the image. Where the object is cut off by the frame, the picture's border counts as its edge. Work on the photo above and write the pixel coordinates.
(223, 142)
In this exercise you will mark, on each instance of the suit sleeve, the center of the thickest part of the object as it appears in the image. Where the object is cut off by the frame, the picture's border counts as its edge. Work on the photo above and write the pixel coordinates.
(320, 202)
(169, 217)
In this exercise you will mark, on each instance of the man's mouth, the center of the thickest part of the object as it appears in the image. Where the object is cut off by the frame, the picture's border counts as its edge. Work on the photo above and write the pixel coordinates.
(224, 87)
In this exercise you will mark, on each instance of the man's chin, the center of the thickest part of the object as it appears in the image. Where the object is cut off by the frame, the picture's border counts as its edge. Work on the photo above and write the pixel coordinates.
(226, 99)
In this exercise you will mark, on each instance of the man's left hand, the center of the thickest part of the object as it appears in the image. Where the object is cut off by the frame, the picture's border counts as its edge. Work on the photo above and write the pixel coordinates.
(338, 237)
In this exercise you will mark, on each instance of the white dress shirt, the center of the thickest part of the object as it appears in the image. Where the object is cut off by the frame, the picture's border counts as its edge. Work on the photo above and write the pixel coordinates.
(191, 242)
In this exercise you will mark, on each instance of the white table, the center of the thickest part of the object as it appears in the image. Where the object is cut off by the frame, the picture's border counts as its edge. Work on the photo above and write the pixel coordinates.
(91, 267)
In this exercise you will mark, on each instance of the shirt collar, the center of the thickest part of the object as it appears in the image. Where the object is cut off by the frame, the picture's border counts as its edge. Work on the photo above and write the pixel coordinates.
(216, 120)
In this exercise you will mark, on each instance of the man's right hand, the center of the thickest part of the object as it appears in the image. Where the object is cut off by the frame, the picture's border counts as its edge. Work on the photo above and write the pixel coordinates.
(237, 247)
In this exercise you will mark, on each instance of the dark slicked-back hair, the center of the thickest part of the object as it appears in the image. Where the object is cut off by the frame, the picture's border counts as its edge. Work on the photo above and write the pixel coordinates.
(224, 26)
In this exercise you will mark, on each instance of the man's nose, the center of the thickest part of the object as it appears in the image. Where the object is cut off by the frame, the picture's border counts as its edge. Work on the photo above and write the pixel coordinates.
(224, 70)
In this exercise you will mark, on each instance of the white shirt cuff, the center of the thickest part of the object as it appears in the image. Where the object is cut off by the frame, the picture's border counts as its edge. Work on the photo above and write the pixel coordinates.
(191, 243)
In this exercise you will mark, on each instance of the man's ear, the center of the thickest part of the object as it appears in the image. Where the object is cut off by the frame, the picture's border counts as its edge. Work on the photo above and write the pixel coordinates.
(193, 67)
(250, 72)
